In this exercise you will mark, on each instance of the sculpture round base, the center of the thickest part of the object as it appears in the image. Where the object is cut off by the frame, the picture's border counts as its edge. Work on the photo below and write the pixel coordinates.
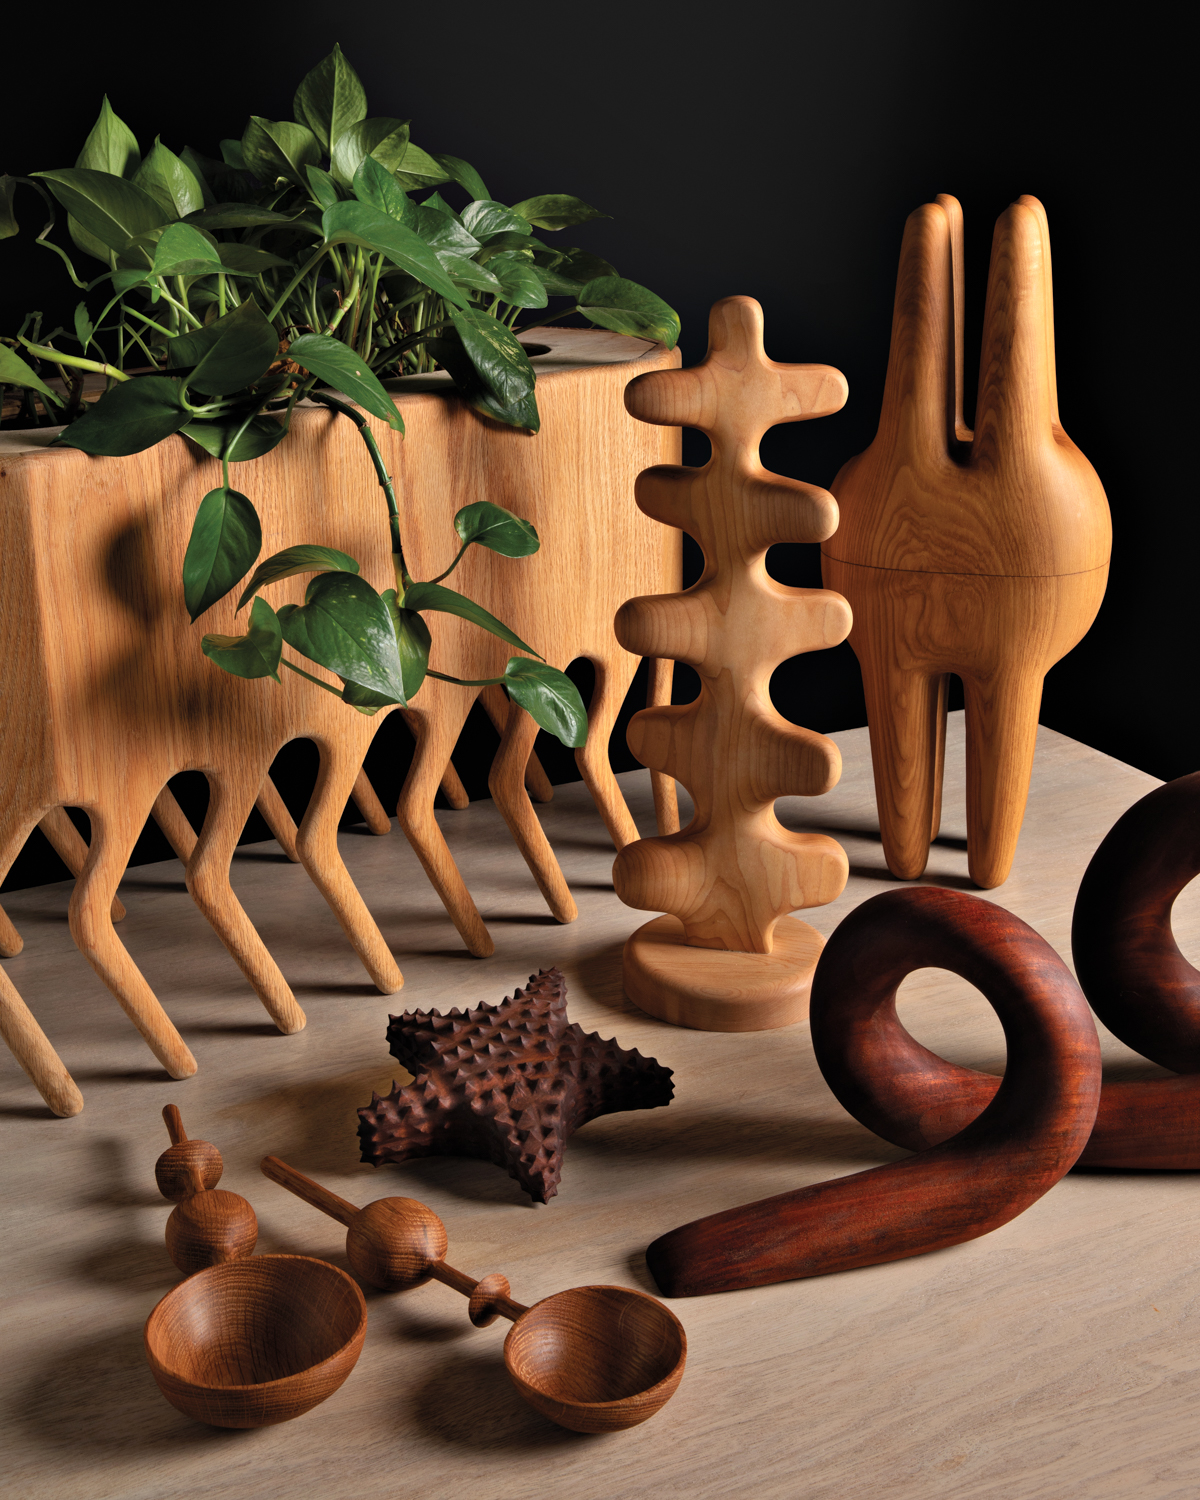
(713, 989)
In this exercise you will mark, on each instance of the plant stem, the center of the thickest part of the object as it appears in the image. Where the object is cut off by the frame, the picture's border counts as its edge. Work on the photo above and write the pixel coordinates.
(300, 672)
(551, 318)
(76, 361)
(464, 681)
(308, 265)
(403, 580)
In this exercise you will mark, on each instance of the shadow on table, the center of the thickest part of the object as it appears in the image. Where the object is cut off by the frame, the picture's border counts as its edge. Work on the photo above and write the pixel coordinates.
(469, 1401)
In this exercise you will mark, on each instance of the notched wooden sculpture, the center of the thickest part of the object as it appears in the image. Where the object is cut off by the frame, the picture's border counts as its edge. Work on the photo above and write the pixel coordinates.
(505, 1083)
(727, 956)
(208, 1225)
(985, 1171)
(594, 1359)
(980, 553)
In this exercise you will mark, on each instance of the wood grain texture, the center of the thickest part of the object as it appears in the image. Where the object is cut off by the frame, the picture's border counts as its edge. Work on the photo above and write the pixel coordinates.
(986, 1173)
(733, 872)
(103, 717)
(208, 1225)
(982, 553)
(258, 1341)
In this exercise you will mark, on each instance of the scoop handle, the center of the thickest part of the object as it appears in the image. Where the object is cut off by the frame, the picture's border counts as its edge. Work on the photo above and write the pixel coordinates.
(304, 1187)
(174, 1121)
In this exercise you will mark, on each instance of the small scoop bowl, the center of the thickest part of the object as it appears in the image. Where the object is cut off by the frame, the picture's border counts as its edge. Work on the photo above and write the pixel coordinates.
(256, 1341)
(594, 1359)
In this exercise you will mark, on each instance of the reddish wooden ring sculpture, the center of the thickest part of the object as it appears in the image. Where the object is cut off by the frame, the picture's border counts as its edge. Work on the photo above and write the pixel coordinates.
(1028, 1135)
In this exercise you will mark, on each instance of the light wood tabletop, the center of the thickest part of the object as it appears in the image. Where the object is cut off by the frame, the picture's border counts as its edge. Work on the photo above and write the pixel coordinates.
(1052, 1358)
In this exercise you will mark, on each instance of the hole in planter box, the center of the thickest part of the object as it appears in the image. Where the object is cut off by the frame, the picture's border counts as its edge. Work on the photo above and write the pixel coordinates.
(533, 350)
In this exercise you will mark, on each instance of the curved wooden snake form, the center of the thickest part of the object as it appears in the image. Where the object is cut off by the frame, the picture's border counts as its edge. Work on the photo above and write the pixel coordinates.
(984, 1171)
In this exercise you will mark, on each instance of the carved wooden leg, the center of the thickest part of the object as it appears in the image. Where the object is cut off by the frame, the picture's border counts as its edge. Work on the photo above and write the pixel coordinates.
(363, 795)
(666, 794)
(903, 712)
(614, 673)
(451, 783)
(942, 685)
(1033, 1131)
(1002, 717)
(436, 728)
(114, 832)
(16, 824)
(277, 818)
(230, 800)
(495, 703)
(29, 1045)
(318, 848)
(507, 786)
(68, 843)
(173, 822)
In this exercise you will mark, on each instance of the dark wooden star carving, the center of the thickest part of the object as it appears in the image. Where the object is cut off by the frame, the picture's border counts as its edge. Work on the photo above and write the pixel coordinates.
(506, 1083)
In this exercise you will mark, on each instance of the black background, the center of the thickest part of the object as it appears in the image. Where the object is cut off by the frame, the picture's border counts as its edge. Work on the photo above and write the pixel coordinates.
(769, 150)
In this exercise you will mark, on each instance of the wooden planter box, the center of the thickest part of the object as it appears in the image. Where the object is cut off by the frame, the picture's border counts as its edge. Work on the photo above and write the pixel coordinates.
(106, 694)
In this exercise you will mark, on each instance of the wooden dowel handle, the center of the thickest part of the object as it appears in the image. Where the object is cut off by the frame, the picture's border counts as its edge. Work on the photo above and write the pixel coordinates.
(495, 1301)
(304, 1187)
(174, 1123)
(459, 1280)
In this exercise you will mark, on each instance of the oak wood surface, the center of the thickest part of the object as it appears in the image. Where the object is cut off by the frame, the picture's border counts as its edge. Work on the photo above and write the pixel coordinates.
(1054, 1357)
(207, 1225)
(733, 873)
(978, 552)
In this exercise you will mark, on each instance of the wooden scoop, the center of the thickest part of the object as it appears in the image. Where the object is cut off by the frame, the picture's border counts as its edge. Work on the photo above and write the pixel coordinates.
(594, 1359)
(208, 1225)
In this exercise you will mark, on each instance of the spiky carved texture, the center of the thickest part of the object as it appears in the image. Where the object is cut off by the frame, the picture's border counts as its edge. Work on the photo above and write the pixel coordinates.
(506, 1083)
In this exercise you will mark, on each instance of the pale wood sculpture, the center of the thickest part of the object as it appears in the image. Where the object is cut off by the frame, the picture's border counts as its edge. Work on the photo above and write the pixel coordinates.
(101, 718)
(979, 553)
(256, 1341)
(208, 1225)
(594, 1359)
(982, 1174)
(728, 957)
(507, 1083)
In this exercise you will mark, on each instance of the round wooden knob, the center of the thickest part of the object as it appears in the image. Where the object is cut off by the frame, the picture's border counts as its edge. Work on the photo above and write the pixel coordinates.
(210, 1228)
(1128, 962)
(482, 1308)
(394, 1243)
(1031, 1126)
(175, 1168)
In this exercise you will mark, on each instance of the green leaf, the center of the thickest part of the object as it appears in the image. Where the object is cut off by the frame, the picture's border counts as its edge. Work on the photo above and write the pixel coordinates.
(419, 170)
(330, 99)
(14, 371)
(498, 529)
(566, 273)
(470, 274)
(109, 208)
(414, 643)
(344, 625)
(131, 417)
(625, 307)
(232, 155)
(384, 140)
(237, 216)
(463, 173)
(442, 229)
(322, 186)
(556, 211)
(519, 281)
(485, 218)
(247, 260)
(8, 221)
(84, 327)
(203, 169)
(377, 186)
(184, 251)
(260, 437)
(292, 560)
(548, 696)
(170, 183)
(362, 224)
(502, 364)
(341, 367)
(228, 355)
(226, 538)
(111, 146)
(451, 355)
(435, 596)
(277, 148)
(255, 654)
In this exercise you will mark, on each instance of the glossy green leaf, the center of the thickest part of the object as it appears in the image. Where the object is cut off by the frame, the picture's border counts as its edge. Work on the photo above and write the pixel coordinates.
(485, 218)
(626, 307)
(377, 186)
(170, 183)
(453, 358)
(108, 207)
(8, 220)
(227, 355)
(436, 201)
(556, 211)
(183, 251)
(442, 229)
(84, 328)
(469, 273)
(14, 371)
(549, 697)
(341, 367)
(237, 216)
(502, 364)
(510, 241)
(255, 654)
(384, 139)
(129, 418)
(322, 186)
(232, 154)
(247, 260)
(497, 529)
(463, 173)
(278, 148)
(413, 641)
(419, 170)
(435, 596)
(110, 146)
(330, 99)
(519, 281)
(292, 560)
(566, 273)
(362, 224)
(344, 625)
(203, 169)
(226, 538)
(258, 438)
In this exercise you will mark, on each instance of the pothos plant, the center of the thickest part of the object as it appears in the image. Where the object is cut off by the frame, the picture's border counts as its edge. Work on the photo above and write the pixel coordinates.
(317, 256)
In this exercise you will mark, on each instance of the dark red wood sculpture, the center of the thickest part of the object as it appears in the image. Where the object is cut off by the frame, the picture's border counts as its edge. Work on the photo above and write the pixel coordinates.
(507, 1083)
(992, 1169)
